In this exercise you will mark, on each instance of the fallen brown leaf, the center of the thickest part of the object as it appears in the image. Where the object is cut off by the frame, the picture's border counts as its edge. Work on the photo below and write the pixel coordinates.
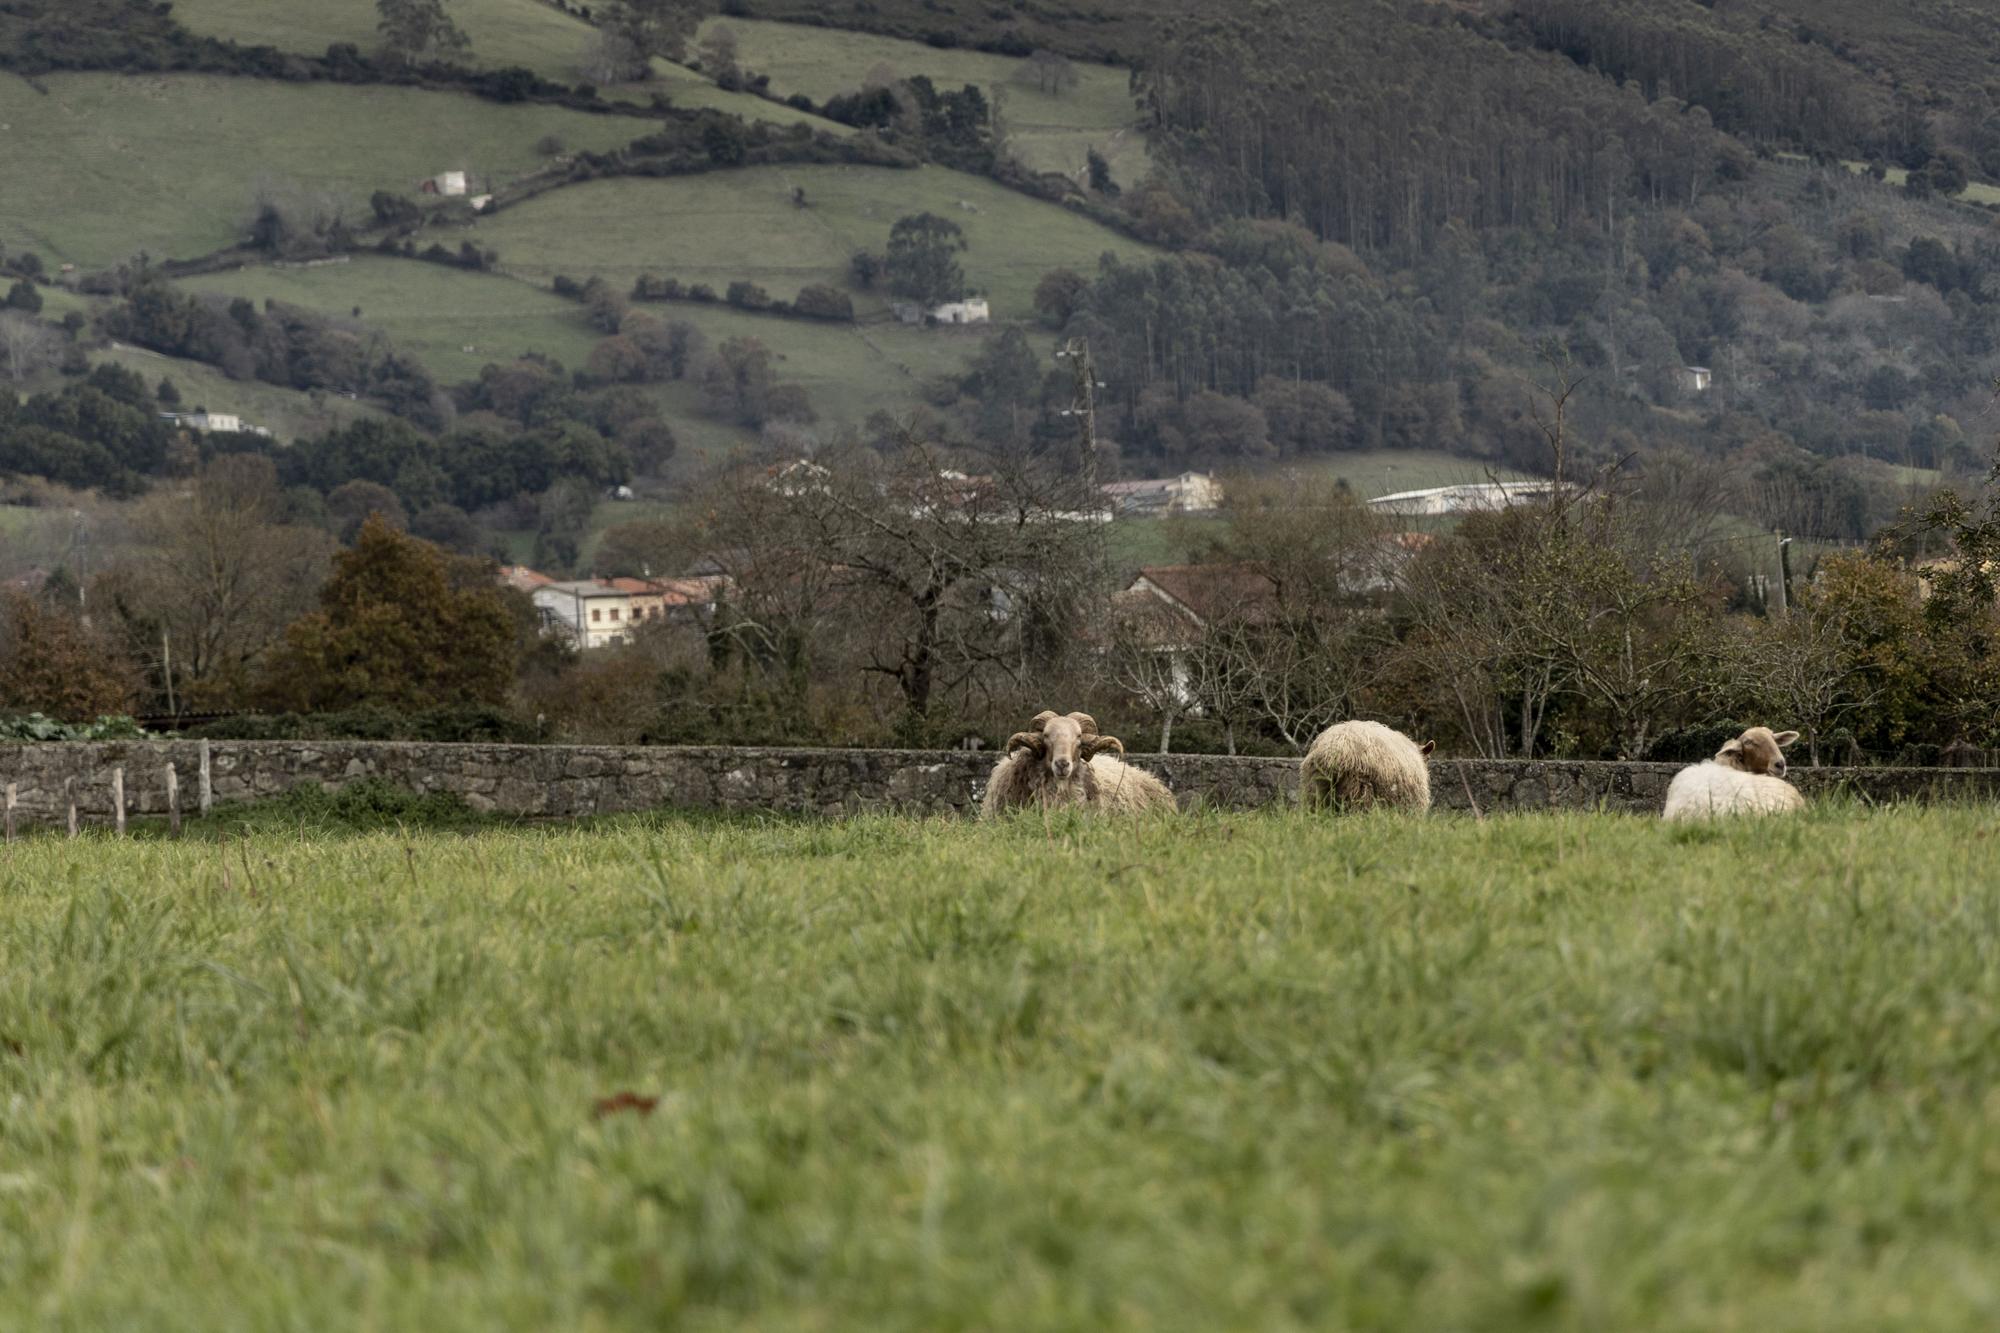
(624, 1101)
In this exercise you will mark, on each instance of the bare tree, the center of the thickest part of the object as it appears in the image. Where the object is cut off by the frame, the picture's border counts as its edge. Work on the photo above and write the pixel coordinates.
(1808, 671)
(28, 347)
(218, 576)
(944, 579)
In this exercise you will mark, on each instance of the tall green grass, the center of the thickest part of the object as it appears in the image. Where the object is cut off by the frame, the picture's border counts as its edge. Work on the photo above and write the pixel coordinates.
(1225, 1072)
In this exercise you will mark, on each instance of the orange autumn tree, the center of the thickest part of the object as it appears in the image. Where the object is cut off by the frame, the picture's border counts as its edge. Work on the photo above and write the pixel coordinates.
(395, 628)
(51, 662)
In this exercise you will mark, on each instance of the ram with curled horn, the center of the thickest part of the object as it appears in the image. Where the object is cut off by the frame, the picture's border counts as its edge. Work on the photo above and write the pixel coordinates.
(1063, 760)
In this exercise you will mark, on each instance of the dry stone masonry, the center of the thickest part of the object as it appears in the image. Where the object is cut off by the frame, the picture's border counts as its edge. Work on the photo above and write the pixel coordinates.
(563, 782)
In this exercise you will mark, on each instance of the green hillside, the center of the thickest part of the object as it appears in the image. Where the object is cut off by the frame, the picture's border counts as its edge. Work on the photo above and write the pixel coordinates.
(174, 165)
(287, 414)
(742, 224)
(1046, 130)
(525, 33)
(453, 321)
(438, 313)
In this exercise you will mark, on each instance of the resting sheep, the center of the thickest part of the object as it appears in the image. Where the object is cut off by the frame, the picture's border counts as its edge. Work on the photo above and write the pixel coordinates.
(1746, 777)
(1357, 765)
(1062, 761)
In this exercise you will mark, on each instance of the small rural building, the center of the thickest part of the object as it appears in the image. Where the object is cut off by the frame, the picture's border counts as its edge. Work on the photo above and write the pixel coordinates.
(972, 310)
(588, 612)
(1189, 493)
(224, 423)
(445, 183)
(1696, 379)
(1468, 498)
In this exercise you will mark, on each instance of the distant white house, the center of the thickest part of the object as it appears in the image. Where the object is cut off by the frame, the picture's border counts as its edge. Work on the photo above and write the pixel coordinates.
(1189, 493)
(1696, 379)
(603, 613)
(972, 310)
(1468, 498)
(588, 612)
(220, 423)
(446, 183)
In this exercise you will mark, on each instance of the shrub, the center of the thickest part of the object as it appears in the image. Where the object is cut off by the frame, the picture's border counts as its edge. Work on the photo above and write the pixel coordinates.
(41, 727)
(819, 302)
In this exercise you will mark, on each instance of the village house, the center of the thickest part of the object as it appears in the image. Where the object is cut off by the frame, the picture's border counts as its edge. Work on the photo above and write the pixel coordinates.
(1696, 379)
(604, 613)
(588, 612)
(1189, 493)
(445, 183)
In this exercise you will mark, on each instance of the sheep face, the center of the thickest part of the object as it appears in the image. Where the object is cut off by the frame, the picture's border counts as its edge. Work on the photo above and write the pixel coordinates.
(1758, 750)
(1064, 744)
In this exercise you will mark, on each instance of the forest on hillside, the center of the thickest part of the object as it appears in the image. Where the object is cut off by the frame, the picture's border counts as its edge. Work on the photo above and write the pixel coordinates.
(1749, 254)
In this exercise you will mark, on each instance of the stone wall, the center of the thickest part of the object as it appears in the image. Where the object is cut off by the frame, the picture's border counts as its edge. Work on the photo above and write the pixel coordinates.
(568, 781)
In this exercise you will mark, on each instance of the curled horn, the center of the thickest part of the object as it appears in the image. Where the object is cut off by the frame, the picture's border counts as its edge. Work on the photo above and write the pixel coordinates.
(1096, 745)
(1028, 740)
(1086, 722)
(1042, 719)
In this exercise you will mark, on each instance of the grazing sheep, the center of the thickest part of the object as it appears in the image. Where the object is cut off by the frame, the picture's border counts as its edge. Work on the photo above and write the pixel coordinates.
(1062, 761)
(1358, 765)
(1746, 777)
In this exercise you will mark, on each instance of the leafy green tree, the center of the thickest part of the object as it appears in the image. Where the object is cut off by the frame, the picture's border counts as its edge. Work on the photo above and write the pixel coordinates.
(652, 28)
(1100, 173)
(399, 625)
(415, 30)
(923, 259)
(23, 297)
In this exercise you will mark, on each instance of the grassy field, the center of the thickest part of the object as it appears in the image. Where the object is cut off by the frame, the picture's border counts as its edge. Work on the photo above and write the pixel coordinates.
(173, 165)
(286, 413)
(503, 33)
(1557, 1072)
(436, 313)
(1047, 131)
(723, 226)
(433, 312)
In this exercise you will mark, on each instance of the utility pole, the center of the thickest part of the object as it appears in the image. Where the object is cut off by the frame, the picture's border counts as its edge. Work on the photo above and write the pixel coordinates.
(1083, 406)
(1784, 575)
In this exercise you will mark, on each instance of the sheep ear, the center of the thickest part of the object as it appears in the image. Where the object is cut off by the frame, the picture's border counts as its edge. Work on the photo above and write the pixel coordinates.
(1785, 738)
(1085, 721)
(1043, 718)
(1097, 745)
(1427, 747)
(1734, 748)
(1028, 740)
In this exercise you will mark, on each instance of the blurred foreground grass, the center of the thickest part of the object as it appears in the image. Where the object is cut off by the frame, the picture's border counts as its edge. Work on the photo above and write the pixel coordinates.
(1228, 1072)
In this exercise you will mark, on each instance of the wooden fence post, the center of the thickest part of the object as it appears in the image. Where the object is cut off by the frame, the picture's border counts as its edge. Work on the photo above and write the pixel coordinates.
(13, 793)
(173, 801)
(118, 799)
(206, 795)
(69, 799)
